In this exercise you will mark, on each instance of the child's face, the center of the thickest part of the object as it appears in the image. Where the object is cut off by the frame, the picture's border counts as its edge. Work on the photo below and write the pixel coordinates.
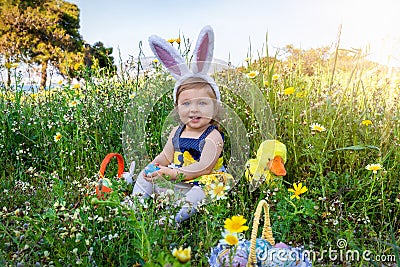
(196, 107)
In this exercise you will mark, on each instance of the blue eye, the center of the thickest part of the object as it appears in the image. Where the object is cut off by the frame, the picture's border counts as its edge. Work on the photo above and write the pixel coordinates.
(185, 104)
(203, 103)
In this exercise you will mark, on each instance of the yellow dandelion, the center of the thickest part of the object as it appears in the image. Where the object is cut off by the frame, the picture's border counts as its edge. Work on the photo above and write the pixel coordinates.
(298, 190)
(266, 83)
(178, 40)
(236, 224)
(300, 94)
(171, 41)
(73, 103)
(218, 191)
(374, 167)
(366, 122)
(252, 74)
(229, 238)
(317, 127)
(155, 60)
(275, 77)
(288, 91)
(77, 66)
(57, 137)
(183, 255)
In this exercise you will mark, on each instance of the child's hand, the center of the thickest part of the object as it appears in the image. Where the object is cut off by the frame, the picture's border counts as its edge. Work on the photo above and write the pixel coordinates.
(162, 172)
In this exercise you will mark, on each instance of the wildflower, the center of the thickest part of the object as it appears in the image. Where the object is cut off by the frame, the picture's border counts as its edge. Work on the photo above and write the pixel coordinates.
(77, 66)
(60, 82)
(230, 238)
(300, 94)
(77, 86)
(366, 122)
(218, 191)
(171, 41)
(183, 255)
(252, 74)
(247, 59)
(178, 40)
(10, 65)
(57, 137)
(298, 190)
(317, 127)
(155, 60)
(288, 91)
(73, 103)
(374, 167)
(266, 83)
(275, 77)
(236, 224)
(132, 96)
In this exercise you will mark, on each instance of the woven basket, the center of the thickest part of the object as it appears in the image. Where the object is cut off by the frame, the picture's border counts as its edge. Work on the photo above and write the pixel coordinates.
(266, 232)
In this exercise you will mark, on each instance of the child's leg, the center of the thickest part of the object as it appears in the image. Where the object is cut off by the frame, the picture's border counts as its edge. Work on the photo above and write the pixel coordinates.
(143, 187)
(192, 198)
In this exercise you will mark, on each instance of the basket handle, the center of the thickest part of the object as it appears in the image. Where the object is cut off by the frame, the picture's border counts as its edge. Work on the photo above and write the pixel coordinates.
(266, 233)
(107, 159)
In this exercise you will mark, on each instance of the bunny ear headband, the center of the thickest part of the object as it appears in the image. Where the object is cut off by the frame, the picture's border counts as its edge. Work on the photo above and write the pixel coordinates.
(176, 64)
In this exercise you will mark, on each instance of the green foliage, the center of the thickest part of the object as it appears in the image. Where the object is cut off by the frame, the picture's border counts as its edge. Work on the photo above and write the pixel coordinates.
(48, 217)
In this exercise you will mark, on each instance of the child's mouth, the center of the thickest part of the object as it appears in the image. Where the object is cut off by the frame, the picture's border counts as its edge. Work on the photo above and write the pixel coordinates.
(194, 119)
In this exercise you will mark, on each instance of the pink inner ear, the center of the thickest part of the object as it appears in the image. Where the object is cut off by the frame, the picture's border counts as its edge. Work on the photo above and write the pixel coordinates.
(167, 60)
(202, 53)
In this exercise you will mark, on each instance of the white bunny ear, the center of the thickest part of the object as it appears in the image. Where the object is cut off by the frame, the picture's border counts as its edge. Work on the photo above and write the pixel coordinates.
(203, 52)
(168, 56)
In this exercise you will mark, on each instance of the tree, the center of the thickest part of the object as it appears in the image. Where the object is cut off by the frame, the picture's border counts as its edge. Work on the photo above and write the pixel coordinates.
(42, 32)
(100, 57)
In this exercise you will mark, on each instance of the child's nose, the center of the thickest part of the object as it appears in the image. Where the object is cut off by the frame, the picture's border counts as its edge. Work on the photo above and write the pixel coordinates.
(194, 107)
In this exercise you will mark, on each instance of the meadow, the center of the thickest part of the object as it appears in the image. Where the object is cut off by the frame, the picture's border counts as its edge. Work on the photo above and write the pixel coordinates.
(340, 122)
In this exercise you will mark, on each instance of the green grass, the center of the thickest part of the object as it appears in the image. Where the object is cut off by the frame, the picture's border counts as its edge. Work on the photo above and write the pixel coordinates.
(47, 186)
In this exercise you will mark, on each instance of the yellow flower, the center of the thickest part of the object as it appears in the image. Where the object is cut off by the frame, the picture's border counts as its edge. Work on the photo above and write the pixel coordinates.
(366, 122)
(298, 190)
(178, 40)
(171, 41)
(317, 127)
(73, 103)
(300, 94)
(266, 83)
(374, 167)
(57, 137)
(183, 255)
(236, 224)
(288, 91)
(77, 86)
(60, 82)
(252, 74)
(10, 65)
(275, 77)
(218, 191)
(77, 66)
(155, 60)
(229, 238)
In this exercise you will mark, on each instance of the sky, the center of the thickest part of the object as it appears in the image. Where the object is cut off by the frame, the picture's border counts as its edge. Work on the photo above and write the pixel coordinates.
(240, 25)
